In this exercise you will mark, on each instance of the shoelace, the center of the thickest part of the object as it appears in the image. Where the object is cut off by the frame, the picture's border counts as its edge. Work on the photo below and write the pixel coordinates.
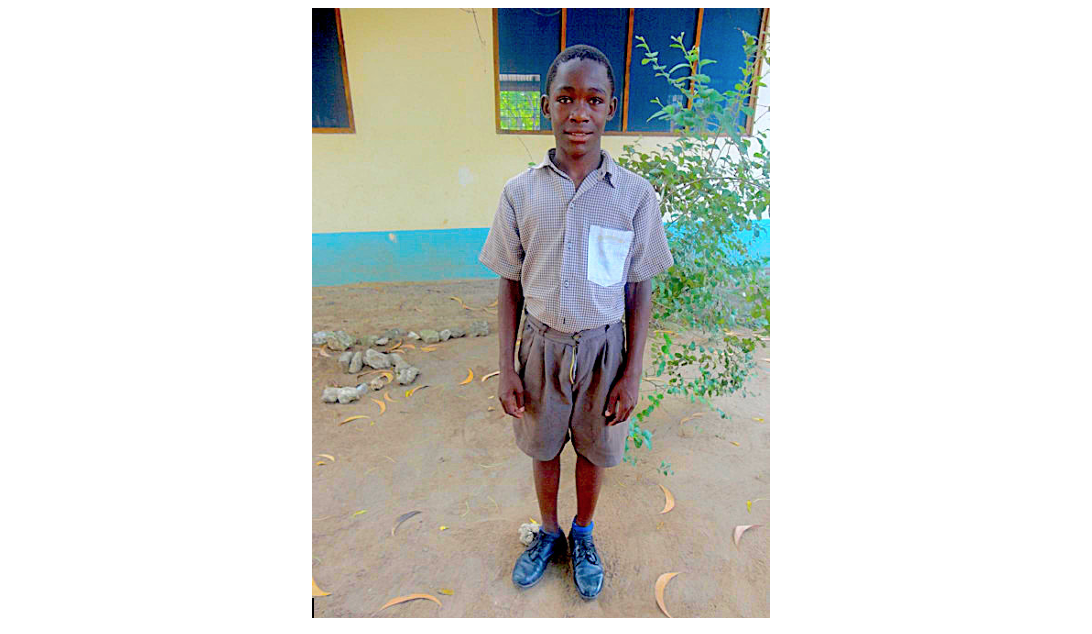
(537, 548)
(584, 548)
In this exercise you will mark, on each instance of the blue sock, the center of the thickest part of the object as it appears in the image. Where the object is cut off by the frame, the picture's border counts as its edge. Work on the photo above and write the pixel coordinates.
(582, 530)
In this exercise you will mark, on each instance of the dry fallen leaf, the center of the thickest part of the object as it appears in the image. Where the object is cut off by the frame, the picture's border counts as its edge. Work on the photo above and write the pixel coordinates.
(410, 597)
(490, 409)
(754, 500)
(661, 583)
(691, 417)
(461, 302)
(382, 406)
(317, 591)
(766, 360)
(401, 519)
(494, 303)
(319, 297)
(326, 455)
(443, 528)
(490, 375)
(756, 418)
(323, 351)
(469, 377)
(387, 396)
(395, 346)
(669, 503)
(734, 442)
(360, 512)
(739, 531)
(410, 392)
(320, 462)
(352, 418)
(447, 591)
(410, 345)
(388, 374)
(428, 349)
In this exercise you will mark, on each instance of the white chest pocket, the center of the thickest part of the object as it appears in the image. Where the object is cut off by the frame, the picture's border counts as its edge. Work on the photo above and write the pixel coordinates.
(607, 251)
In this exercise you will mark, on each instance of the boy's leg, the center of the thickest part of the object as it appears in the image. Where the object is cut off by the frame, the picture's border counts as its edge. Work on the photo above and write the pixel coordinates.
(547, 478)
(589, 478)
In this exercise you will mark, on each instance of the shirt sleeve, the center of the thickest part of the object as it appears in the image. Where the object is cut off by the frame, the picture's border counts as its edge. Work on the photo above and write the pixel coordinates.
(503, 251)
(651, 256)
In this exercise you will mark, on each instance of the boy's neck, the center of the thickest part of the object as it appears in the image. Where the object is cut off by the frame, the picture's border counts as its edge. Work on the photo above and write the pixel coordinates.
(578, 166)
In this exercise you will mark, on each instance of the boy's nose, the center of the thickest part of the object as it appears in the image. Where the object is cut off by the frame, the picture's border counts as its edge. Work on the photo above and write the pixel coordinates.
(579, 113)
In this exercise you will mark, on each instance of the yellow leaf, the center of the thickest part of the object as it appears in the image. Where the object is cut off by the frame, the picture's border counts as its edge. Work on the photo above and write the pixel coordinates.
(317, 591)
(382, 406)
(494, 303)
(757, 419)
(490, 409)
(443, 528)
(319, 297)
(326, 455)
(469, 377)
(410, 392)
(320, 462)
(532, 520)
(447, 591)
(748, 506)
(734, 442)
(409, 597)
(360, 512)
(388, 374)
(396, 346)
(428, 349)
(490, 375)
(669, 502)
(691, 417)
(410, 345)
(387, 397)
(352, 418)
(661, 583)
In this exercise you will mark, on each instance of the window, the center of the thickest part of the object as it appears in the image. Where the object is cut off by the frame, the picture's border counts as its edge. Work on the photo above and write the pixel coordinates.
(527, 40)
(331, 105)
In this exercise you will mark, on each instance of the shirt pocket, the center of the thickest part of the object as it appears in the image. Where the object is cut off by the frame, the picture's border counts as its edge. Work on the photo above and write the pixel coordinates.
(607, 252)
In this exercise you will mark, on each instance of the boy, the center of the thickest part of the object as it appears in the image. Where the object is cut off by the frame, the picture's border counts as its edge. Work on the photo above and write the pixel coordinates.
(579, 239)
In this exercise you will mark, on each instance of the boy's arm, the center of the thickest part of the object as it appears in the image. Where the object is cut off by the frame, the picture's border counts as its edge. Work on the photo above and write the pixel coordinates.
(509, 307)
(624, 394)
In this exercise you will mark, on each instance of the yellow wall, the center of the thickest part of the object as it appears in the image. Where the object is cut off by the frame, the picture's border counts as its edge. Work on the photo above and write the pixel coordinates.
(426, 154)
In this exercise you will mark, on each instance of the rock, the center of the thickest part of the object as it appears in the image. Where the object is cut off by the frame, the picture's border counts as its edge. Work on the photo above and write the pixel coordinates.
(344, 360)
(479, 328)
(407, 375)
(357, 362)
(395, 333)
(382, 341)
(339, 340)
(369, 341)
(347, 394)
(412, 336)
(527, 533)
(377, 383)
(377, 360)
(445, 334)
(363, 387)
(430, 336)
(329, 395)
(319, 338)
(397, 360)
(457, 332)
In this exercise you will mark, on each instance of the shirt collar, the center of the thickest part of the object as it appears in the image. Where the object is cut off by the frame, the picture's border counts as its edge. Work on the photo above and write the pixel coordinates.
(607, 169)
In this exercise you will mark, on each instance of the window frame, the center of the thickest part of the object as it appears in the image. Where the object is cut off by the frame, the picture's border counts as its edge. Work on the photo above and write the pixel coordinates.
(345, 81)
(623, 101)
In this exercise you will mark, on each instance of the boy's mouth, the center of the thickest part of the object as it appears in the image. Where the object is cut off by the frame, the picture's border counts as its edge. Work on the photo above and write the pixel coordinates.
(579, 135)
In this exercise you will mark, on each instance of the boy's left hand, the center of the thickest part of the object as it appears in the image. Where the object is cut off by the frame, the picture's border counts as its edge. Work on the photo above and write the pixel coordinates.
(622, 399)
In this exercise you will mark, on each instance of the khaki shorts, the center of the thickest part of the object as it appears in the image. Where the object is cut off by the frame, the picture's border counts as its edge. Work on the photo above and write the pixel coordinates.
(567, 379)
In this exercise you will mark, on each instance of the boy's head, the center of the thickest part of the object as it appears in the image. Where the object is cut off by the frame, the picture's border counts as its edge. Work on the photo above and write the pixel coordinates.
(579, 98)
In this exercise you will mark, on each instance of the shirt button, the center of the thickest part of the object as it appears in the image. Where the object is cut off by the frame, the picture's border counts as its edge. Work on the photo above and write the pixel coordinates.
(566, 283)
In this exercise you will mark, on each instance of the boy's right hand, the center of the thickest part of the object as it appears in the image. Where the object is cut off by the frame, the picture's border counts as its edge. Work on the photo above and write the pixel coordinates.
(511, 393)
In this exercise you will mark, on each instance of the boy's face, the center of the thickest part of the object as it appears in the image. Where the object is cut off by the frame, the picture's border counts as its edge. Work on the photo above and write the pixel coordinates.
(579, 105)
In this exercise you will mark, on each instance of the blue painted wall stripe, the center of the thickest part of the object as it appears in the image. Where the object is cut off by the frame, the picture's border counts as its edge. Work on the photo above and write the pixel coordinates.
(411, 256)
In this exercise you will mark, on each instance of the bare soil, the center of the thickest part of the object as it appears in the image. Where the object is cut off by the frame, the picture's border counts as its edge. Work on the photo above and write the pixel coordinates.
(445, 453)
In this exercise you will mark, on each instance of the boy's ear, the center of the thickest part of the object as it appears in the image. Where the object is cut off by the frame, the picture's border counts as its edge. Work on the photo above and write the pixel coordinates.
(545, 105)
(613, 108)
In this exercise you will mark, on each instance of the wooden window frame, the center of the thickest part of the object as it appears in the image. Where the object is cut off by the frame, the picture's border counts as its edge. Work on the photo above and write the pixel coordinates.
(345, 81)
(625, 93)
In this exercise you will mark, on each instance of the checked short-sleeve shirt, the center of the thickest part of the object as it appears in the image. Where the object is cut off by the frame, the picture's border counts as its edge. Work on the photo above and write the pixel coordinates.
(574, 250)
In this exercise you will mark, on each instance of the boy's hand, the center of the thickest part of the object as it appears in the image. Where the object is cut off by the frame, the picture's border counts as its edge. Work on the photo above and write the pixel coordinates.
(511, 393)
(622, 399)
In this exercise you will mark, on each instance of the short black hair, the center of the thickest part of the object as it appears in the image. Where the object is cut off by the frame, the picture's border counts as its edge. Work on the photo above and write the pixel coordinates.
(580, 51)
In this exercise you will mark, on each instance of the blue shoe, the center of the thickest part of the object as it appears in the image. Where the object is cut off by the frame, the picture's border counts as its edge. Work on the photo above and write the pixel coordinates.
(532, 563)
(587, 567)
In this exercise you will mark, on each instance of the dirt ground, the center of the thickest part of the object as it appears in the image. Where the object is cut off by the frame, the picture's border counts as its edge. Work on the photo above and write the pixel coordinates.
(443, 453)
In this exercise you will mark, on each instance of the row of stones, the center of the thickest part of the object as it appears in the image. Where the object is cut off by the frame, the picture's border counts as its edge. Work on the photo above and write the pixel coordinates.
(340, 340)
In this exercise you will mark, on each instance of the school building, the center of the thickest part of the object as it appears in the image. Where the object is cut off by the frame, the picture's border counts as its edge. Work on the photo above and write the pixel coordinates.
(421, 115)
